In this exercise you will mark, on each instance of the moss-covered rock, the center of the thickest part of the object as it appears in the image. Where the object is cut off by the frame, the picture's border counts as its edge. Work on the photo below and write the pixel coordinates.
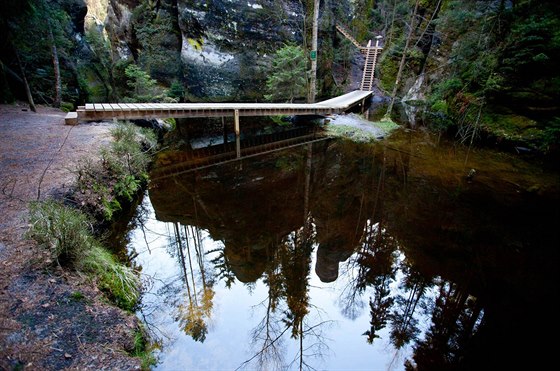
(511, 127)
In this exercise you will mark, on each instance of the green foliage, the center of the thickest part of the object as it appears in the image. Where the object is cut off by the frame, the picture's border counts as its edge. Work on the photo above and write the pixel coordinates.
(511, 127)
(66, 234)
(103, 186)
(388, 68)
(99, 70)
(62, 231)
(176, 90)
(171, 122)
(143, 87)
(77, 296)
(67, 106)
(439, 113)
(131, 148)
(28, 33)
(120, 283)
(531, 51)
(367, 15)
(287, 77)
(498, 56)
(127, 187)
(142, 349)
(111, 205)
(280, 120)
(551, 134)
(476, 50)
(440, 106)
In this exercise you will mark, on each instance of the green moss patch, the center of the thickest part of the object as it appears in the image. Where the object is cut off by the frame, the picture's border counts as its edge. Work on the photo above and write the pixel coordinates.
(358, 129)
(511, 127)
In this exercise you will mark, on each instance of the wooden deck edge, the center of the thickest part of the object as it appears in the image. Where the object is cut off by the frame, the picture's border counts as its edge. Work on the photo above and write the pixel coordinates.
(71, 118)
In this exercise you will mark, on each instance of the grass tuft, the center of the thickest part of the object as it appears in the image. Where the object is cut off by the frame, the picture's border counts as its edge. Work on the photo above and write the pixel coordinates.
(62, 231)
(67, 235)
(143, 349)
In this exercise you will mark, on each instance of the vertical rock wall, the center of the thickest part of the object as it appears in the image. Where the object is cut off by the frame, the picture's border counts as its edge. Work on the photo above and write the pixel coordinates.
(218, 49)
(226, 45)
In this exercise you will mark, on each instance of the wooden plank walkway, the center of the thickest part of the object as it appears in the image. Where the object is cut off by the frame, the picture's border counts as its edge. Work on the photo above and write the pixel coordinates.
(130, 111)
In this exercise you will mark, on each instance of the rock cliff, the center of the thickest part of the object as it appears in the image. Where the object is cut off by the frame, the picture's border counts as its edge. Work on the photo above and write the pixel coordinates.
(217, 50)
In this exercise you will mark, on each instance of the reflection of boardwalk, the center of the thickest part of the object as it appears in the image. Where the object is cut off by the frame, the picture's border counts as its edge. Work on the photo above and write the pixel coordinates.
(187, 161)
(130, 111)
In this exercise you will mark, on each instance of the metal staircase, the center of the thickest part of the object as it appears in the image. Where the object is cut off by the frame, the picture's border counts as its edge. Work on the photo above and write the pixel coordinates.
(371, 53)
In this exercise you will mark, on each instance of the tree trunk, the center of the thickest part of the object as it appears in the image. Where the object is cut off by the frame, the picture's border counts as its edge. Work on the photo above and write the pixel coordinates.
(25, 83)
(7, 70)
(56, 66)
(401, 64)
(314, 36)
(393, 13)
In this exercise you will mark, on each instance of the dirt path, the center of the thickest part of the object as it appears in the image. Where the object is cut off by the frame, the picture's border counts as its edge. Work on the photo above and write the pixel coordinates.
(49, 319)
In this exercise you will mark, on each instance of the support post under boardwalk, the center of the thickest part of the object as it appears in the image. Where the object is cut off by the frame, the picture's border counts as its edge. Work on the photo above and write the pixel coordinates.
(238, 146)
(237, 132)
(224, 130)
(236, 121)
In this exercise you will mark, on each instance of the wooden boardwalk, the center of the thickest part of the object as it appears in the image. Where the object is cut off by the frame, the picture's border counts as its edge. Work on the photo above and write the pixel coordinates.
(131, 111)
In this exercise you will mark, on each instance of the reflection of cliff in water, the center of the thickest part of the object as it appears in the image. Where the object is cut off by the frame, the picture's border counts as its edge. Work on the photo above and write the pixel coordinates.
(484, 244)
(252, 210)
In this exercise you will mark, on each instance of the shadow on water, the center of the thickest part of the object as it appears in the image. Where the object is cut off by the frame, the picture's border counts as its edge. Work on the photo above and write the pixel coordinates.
(451, 259)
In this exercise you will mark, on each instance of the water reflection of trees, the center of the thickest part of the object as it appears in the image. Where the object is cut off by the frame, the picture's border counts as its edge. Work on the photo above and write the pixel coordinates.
(399, 295)
(375, 269)
(405, 241)
(196, 310)
(456, 317)
(287, 307)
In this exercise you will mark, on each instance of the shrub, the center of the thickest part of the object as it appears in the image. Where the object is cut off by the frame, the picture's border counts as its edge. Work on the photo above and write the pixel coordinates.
(66, 106)
(101, 187)
(143, 87)
(143, 349)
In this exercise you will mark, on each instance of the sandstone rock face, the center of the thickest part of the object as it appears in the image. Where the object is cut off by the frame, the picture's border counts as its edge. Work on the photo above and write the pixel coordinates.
(118, 25)
(226, 44)
(219, 50)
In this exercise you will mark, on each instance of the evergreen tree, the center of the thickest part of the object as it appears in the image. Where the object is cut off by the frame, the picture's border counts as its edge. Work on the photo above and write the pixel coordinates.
(287, 80)
(144, 88)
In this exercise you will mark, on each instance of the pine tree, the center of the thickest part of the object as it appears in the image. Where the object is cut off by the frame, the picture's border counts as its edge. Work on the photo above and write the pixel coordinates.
(287, 81)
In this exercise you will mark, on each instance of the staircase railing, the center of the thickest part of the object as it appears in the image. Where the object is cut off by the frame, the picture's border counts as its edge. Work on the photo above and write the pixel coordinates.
(370, 52)
(347, 34)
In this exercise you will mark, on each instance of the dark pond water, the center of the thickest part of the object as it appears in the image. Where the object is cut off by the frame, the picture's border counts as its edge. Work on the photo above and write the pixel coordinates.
(336, 255)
